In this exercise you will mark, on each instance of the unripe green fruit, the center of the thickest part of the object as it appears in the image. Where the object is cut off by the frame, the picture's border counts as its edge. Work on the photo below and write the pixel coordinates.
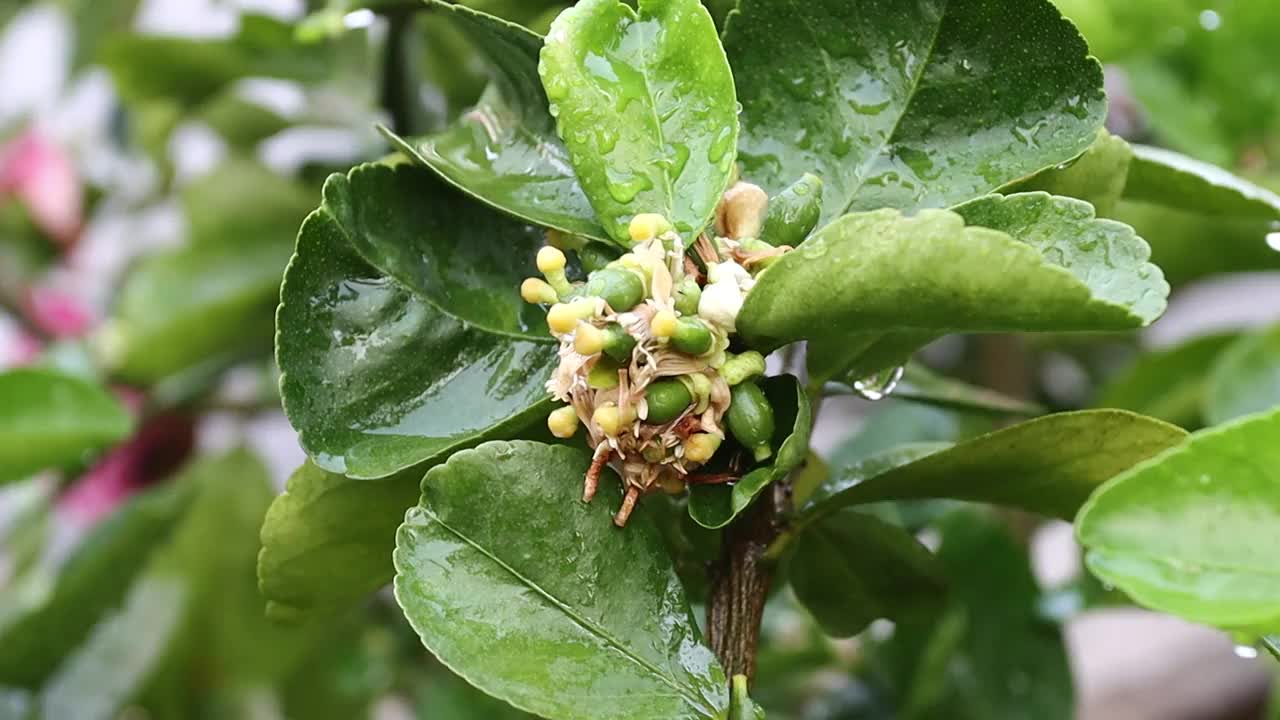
(666, 399)
(618, 343)
(691, 336)
(622, 289)
(750, 419)
(687, 296)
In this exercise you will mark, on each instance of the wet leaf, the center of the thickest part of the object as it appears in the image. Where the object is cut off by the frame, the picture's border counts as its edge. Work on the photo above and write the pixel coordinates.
(49, 418)
(505, 151)
(1048, 465)
(1027, 262)
(327, 540)
(645, 103)
(1098, 176)
(1191, 531)
(714, 506)
(377, 378)
(852, 568)
(1245, 378)
(1166, 384)
(909, 105)
(536, 598)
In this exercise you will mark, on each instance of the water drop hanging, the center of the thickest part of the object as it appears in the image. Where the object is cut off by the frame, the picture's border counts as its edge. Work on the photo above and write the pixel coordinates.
(879, 385)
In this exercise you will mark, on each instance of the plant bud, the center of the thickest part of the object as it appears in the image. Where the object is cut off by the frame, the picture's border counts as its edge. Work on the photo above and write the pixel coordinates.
(550, 260)
(588, 339)
(563, 422)
(741, 211)
(538, 292)
(664, 324)
(699, 447)
(647, 226)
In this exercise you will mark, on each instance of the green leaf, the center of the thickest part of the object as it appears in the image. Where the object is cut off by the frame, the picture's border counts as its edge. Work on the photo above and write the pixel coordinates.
(645, 103)
(922, 385)
(327, 540)
(377, 378)
(1167, 384)
(50, 610)
(990, 656)
(211, 300)
(1191, 531)
(505, 151)
(1028, 262)
(906, 106)
(1245, 378)
(1169, 178)
(1048, 465)
(852, 357)
(1097, 177)
(536, 598)
(49, 418)
(457, 254)
(99, 678)
(1188, 245)
(853, 568)
(192, 70)
(714, 506)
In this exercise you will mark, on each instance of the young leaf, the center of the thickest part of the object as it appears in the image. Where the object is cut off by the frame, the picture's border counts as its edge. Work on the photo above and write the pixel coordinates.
(49, 418)
(1245, 378)
(909, 105)
(1048, 465)
(536, 598)
(645, 103)
(1174, 180)
(1191, 531)
(1043, 264)
(377, 378)
(1169, 385)
(327, 540)
(505, 151)
(714, 506)
(853, 568)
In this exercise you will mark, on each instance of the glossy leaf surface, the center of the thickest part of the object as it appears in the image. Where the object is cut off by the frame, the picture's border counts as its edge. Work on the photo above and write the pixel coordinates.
(505, 150)
(327, 540)
(1048, 465)
(48, 418)
(922, 385)
(1245, 379)
(1098, 176)
(377, 378)
(1191, 531)
(645, 102)
(1028, 262)
(537, 598)
(853, 568)
(714, 506)
(909, 105)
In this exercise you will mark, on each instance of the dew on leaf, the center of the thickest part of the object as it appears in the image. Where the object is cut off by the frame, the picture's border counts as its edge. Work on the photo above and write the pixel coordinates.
(880, 385)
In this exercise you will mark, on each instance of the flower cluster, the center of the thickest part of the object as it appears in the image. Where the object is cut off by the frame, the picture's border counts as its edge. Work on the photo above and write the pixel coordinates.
(647, 362)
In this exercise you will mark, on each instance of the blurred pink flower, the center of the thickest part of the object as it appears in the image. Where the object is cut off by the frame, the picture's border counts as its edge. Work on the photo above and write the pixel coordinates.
(57, 313)
(159, 448)
(40, 174)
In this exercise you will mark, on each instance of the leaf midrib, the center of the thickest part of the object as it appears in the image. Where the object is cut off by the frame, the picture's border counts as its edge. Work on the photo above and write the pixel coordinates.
(578, 619)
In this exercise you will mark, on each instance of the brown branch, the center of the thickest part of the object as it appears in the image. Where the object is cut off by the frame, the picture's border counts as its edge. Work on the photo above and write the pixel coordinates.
(740, 582)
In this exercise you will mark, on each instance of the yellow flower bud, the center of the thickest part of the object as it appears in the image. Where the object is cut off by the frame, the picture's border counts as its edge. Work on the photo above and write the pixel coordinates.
(699, 447)
(537, 291)
(563, 422)
(663, 324)
(588, 339)
(564, 317)
(647, 226)
(550, 260)
(610, 420)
